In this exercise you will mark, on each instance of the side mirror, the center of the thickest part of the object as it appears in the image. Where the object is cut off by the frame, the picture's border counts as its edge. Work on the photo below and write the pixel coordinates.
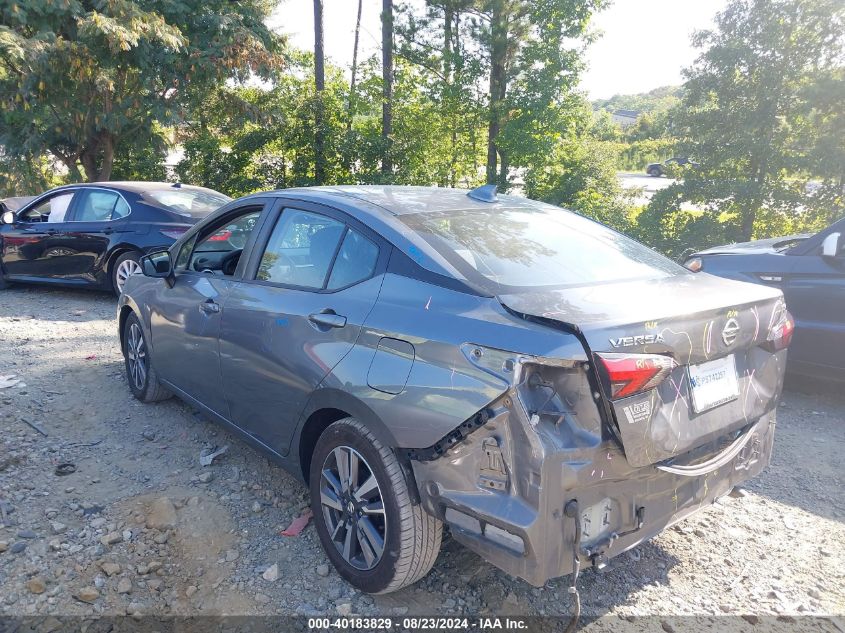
(157, 265)
(8, 217)
(830, 246)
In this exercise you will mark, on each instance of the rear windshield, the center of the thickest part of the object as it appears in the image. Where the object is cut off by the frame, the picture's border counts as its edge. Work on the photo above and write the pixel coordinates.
(508, 250)
(189, 202)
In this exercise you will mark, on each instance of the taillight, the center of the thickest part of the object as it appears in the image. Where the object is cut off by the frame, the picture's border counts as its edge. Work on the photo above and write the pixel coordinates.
(628, 374)
(220, 236)
(780, 334)
(175, 233)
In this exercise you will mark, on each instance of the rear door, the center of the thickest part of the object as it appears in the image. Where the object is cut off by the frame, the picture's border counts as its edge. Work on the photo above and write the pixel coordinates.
(815, 294)
(97, 218)
(36, 246)
(298, 311)
(185, 317)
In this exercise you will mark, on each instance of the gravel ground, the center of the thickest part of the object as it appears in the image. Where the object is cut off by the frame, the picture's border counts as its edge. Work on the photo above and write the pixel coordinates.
(142, 528)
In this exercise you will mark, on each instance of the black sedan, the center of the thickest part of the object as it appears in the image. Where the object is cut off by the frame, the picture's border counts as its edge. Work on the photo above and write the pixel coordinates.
(810, 269)
(94, 235)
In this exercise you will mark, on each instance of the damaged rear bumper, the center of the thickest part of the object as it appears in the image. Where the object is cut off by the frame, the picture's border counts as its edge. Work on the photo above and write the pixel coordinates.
(503, 487)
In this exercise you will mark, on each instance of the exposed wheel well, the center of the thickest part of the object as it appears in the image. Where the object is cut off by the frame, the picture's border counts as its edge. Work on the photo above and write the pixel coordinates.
(314, 426)
(125, 311)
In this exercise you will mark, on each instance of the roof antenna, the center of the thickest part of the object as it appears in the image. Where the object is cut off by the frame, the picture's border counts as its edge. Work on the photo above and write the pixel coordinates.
(484, 193)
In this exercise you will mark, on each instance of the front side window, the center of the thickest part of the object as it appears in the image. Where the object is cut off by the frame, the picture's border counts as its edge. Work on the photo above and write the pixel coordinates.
(184, 256)
(219, 250)
(300, 249)
(53, 209)
(95, 205)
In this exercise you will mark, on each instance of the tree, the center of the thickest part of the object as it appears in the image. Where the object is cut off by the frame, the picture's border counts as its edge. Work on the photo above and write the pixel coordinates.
(387, 82)
(354, 71)
(79, 79)
(320, 84)
(438, 43)
(533, 54)
(752, 112)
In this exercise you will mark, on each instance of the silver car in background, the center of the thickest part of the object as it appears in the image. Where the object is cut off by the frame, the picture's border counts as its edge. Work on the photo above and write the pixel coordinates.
(552, 390)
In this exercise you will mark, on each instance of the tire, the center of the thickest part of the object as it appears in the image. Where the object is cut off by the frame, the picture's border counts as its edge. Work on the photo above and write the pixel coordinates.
(143, 384)
(126, 264)
(654, 173)
(410, 536)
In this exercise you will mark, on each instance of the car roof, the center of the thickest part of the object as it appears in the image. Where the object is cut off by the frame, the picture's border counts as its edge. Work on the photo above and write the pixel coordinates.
(135, 186)
(402, 200)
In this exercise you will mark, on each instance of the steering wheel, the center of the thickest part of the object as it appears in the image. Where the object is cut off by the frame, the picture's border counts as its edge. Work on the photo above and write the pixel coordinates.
(230, 262)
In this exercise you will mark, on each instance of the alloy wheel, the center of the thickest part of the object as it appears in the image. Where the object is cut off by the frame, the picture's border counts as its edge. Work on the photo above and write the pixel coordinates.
(136, 356)
(125, 269)
(353, 507)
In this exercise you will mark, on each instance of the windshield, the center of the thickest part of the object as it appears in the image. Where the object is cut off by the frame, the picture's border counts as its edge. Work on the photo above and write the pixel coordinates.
(195, 203)
(507, 250)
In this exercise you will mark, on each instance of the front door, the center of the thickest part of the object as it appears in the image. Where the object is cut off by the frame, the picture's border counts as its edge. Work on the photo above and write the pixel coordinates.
(36, 246)
(297, 312)
(185, 317)
(815, 295)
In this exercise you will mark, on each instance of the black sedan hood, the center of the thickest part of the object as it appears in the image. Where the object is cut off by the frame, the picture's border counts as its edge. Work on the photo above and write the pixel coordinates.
(771, 245)
(13, 204)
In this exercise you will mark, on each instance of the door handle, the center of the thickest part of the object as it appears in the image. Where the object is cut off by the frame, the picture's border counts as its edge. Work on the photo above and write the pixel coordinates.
(210, 307)
(327, 319)
(51, 231)
(108, 230)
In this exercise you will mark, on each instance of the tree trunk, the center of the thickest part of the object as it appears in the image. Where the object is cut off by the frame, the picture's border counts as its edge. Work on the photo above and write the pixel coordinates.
(320, 82)
(354, 78)
(449, 16)
(96, 169)
(498, 84)
(387, 84)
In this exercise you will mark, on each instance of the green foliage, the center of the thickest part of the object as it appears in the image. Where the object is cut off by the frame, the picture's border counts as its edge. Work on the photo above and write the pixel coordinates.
(581, 175)
(762, 114)
(652, 102)
(80, 78)
(141, 158)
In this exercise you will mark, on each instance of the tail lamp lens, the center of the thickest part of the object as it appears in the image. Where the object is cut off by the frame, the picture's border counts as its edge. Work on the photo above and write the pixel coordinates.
(629, 374)
(221, 236)
(780, 334)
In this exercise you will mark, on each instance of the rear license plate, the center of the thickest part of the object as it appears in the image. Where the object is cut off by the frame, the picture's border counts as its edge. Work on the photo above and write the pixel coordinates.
(713, 383)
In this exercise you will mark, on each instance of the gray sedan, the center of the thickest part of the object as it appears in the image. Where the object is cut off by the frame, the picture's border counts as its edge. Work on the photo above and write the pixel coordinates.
(552, 390)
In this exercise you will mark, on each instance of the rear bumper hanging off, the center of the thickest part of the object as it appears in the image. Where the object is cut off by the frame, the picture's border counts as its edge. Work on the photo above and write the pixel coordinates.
(503, 488)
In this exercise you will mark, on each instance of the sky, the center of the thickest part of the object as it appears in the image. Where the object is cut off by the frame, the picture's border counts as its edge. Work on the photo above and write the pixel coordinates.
(644, 44)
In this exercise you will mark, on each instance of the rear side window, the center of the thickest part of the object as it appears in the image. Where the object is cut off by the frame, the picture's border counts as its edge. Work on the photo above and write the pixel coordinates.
(356, 261)
(94, 205)
(509, 250)
(301, 249)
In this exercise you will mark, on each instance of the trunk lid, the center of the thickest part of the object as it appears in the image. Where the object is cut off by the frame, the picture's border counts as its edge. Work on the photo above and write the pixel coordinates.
(698, 320)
